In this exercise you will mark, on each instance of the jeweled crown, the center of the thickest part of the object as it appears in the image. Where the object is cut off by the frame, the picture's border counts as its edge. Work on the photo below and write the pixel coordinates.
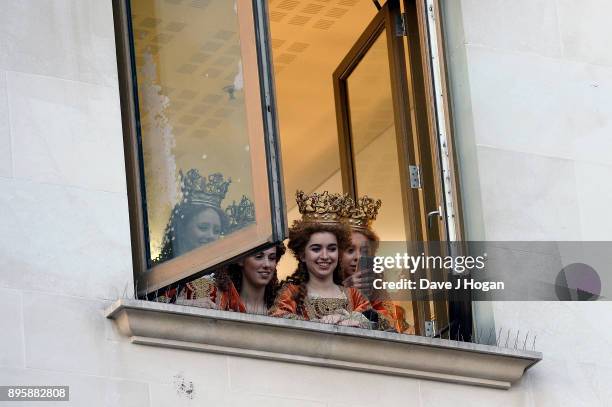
(322, 208)
(205, 191)
(360, 215)
(240, 214)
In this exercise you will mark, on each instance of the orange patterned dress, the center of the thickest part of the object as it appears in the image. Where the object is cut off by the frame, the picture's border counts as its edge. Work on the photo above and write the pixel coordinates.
(205, 287)
(353, 304)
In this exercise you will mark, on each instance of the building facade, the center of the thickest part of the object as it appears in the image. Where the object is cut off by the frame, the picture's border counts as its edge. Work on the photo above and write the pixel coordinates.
(530, 108)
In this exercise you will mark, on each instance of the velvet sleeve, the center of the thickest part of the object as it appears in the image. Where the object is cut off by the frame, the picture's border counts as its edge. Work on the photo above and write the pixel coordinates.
(358, 301)
(284, 304)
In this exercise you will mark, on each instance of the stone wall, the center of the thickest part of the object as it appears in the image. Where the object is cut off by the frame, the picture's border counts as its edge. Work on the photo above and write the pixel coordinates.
(531, 89)
(64, 232)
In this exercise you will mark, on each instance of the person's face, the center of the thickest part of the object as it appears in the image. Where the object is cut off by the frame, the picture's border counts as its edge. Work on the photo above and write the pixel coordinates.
(203, 228)
(259, 268)
(350, 258)
(321, 255)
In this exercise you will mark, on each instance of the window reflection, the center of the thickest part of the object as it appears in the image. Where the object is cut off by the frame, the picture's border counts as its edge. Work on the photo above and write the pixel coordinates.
(193, 123)
(198, 219)
(373, 138)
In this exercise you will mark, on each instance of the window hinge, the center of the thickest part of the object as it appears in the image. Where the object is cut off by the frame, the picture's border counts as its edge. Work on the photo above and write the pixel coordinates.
(430, 328)
(415, 176)
(401, 27)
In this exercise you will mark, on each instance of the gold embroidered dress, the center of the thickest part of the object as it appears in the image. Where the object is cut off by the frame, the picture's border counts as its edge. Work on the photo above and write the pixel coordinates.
(205, 287)
(351, 305)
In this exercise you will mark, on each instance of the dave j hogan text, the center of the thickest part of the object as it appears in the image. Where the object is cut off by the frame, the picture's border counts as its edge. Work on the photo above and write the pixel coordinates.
(425, 284)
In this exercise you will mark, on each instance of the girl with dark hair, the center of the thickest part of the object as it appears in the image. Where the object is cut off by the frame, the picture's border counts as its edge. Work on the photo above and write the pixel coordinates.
(190, 227)
(197, 219)
(248, 285)
(364, 242)
(314, 291)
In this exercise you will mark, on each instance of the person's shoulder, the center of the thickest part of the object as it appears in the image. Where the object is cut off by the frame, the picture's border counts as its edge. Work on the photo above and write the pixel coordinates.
(351, 290)
(354, 293)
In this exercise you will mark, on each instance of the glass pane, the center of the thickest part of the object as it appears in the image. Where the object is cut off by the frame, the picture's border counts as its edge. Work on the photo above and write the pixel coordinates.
(195, 145)
(373, 139)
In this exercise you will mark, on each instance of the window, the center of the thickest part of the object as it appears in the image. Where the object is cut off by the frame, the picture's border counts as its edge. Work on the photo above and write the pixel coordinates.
(200, 137)
(355, 94)
(365, 118)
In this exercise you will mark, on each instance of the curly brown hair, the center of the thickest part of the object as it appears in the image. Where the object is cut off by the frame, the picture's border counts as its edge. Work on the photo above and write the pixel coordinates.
(299, 236)
(372, 238)
(233, 274)
(373, 243)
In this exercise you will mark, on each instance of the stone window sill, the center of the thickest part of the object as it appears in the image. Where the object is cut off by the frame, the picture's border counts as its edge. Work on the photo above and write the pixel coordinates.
(310, 343)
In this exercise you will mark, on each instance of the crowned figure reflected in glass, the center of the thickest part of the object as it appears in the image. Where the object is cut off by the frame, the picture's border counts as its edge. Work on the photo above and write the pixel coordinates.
(198, 219)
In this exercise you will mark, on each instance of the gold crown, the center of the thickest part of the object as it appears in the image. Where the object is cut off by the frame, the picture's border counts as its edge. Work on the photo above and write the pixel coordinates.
(199, 190)
(360, 215)
(321, 208)
(241, 214)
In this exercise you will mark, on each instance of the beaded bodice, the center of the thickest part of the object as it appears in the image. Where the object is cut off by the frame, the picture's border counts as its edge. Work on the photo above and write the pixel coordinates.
(318, 307)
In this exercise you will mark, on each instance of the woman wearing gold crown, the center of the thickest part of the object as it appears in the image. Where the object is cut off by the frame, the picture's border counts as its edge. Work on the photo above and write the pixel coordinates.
(248, 285)
(314, 291)
(364, 242)
(198, 219)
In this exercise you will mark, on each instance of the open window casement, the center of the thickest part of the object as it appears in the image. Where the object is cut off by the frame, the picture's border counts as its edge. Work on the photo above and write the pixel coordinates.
(201, 149)
(390, 122)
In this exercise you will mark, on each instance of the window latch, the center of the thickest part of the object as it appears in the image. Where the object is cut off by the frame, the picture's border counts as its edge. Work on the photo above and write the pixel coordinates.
(432, 214)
